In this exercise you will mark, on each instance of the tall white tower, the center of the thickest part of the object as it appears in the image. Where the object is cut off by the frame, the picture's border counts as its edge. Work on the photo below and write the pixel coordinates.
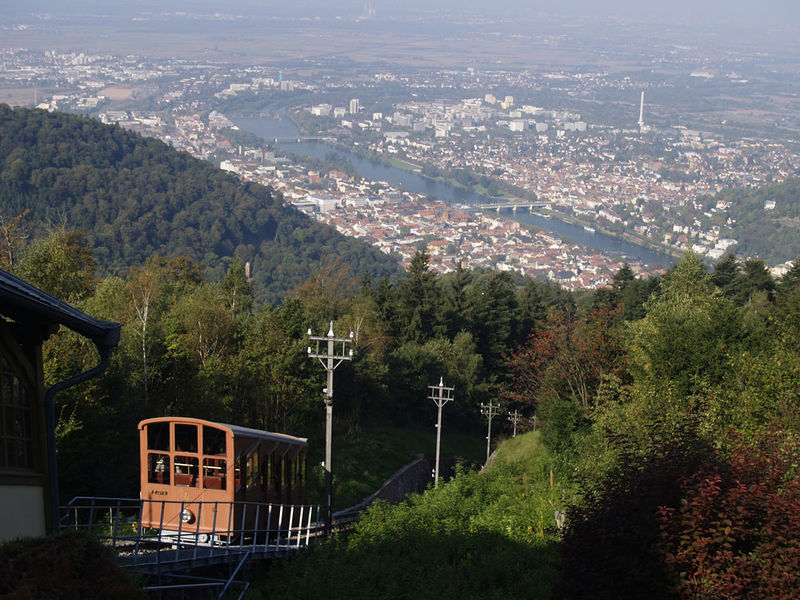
(641, 113)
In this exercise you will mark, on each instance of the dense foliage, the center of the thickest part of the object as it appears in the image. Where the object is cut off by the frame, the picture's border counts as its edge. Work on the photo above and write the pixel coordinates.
(135, 197)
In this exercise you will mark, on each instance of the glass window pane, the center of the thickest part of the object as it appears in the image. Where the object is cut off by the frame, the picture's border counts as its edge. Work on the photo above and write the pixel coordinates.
(158, 436)
(213, 441)
(252, 468)
(214, 473)
(158, 468)
(186, 438)
(186, 468)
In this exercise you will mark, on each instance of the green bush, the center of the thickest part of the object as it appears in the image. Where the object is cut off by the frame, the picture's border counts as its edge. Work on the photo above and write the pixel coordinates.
(66, 566)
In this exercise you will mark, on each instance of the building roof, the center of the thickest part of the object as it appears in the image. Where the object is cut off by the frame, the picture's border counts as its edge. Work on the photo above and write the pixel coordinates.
(25, 303)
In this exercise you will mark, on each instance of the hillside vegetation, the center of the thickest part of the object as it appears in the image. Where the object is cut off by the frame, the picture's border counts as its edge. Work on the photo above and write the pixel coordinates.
(134, 197)
(770, 234)
(671, 427)
(484, 535)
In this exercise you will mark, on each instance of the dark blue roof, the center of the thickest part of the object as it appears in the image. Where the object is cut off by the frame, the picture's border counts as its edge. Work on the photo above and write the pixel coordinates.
(25, 303)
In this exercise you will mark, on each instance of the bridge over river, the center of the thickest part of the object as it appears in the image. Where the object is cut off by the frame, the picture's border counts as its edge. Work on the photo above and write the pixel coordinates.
(512, 205)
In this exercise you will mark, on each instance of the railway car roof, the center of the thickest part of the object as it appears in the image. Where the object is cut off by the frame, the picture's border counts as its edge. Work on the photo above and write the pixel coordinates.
(236, 430)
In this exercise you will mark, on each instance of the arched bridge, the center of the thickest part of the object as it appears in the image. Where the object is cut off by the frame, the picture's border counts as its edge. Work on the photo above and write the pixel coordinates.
(498, 206)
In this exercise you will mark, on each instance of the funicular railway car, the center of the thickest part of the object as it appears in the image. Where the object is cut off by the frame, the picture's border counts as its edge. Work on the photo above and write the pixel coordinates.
(203, 478)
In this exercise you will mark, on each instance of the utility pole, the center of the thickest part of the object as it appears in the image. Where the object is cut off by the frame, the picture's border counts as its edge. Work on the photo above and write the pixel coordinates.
(441, 395)
(490, 412)
(330, 357)
(515, 418)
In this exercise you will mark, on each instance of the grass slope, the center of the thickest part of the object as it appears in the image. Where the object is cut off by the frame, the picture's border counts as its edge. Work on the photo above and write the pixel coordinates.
(488, 534)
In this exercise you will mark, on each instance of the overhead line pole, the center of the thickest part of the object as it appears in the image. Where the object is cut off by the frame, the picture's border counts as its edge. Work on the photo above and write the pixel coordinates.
(330, 357)
(489, 411)
(515, 418)
(441, 395)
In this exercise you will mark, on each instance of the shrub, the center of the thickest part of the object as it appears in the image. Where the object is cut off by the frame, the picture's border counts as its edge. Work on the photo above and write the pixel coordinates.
(736, 532)
(65, 566)
(611, 544)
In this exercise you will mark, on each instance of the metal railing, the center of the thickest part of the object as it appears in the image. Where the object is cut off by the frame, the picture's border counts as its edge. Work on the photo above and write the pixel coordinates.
(234, 529)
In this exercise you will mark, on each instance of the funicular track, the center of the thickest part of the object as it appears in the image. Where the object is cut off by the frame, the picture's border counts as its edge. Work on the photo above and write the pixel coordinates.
(172, 550)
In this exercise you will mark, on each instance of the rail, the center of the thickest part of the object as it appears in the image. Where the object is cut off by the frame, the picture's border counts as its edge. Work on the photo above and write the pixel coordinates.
(239, 530)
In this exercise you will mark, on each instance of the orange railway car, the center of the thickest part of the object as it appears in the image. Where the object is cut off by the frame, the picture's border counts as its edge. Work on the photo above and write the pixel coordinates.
(193, 471)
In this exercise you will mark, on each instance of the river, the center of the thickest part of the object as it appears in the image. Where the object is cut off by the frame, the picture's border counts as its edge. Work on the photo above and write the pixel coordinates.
(271, 128)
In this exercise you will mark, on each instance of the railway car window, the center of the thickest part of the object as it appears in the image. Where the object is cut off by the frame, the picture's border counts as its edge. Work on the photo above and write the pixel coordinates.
(186, 468)
(276, 471)
(158, 436)
(252, 468)
(213, 441)
(158, 468)
(266, 472)
(214, 472)
(186, 438)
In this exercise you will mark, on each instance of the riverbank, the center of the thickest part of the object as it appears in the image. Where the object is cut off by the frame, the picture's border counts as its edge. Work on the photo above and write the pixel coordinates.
(404, 177)
(409, 167)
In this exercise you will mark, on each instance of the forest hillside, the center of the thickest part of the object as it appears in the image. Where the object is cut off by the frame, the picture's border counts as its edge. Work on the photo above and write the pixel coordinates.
(134, 197)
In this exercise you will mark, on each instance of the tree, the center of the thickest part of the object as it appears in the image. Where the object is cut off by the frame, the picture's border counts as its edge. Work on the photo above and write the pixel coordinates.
(143, 286)
(419, 314)
(494, 319)
(685, 341)
(457, 307)
(326, 293)
(566, 359)
(727, 276)
(60, 264)
(237, 288)
(12, 237)
(734, 534)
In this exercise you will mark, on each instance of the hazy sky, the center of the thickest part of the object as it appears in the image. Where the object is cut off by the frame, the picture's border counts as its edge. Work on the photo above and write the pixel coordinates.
(787, 11)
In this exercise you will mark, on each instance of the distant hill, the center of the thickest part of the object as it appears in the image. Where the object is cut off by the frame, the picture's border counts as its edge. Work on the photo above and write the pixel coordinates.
(136, 196)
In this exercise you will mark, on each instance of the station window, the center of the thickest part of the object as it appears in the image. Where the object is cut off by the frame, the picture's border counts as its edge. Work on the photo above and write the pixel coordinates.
(214, 473)
(16, 437)
(158, 468)
(186, 468)
(186, 438)
(158, 436)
